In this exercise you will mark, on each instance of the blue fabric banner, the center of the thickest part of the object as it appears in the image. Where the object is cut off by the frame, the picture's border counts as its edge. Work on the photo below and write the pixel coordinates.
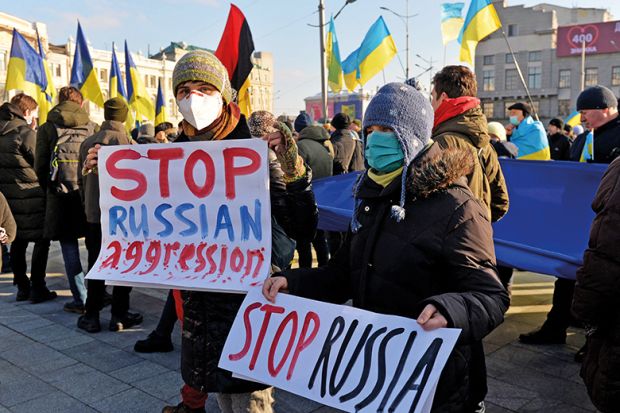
(546, 229)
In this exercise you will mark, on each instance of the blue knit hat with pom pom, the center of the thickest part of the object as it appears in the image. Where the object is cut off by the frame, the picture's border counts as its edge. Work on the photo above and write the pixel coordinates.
(409, 114)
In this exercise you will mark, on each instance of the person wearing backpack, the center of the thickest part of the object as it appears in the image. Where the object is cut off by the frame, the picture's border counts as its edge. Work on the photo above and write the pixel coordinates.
(57, 166)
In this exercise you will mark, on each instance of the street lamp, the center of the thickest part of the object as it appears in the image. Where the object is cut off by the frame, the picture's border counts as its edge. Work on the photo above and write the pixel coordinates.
(405, 18)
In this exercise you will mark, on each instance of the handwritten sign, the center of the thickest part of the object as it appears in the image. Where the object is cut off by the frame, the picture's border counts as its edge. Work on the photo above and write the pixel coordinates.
(188, 215)
(350, 359)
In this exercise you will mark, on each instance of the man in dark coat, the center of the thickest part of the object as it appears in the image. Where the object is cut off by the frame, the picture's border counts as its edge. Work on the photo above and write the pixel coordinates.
(420, 245)
(597, 291)
(599, 111)
(343, 142)
(559, 143)
(64, 215)
(112, 132)
(19, 184)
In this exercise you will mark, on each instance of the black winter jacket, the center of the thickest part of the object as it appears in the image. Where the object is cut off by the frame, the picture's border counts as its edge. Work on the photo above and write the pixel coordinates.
(312, 149)
(441, 254)
(606, 143)
(208, 316)
(559, 145)
(344, 147)
(18, 180)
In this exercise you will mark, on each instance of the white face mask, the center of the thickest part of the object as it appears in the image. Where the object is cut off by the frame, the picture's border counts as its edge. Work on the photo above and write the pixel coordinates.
(199, 109)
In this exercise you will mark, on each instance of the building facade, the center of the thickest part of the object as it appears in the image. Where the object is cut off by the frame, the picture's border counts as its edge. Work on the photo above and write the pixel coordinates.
(552, 75)
(153, 69)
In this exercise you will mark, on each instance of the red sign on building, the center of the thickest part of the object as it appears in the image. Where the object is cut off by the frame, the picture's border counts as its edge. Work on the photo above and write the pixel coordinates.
(598, 37)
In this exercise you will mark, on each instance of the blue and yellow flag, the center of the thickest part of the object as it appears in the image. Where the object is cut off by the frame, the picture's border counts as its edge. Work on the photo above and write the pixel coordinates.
(377, 50)
(573, 119)
(349, 69)
(136, 92)
(481, 21)
(25, 70)
(334, 65)
(117, 87)
(160, 106)
(587, 154)
(47, 94)
(451, 21)
(83, 73)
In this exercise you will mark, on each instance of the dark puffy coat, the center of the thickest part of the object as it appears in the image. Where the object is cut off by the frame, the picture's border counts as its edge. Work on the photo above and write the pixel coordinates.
(209, 316)
(597, 290)
(559, 145)
(357, 159)
(606, 146)
(469, 131)
(505, 149)
(7, 222)
(64, 214)
(344, 146)
(441, 254)
(18, 180)
(312, 149)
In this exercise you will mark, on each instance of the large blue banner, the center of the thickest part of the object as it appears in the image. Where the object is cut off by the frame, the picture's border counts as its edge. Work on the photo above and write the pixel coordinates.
(546, 229)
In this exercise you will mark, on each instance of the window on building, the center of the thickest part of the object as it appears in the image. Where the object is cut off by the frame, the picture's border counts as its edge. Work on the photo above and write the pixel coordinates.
(507, 104)
(513, 30)
(512, 79)
(58, 70)
(564, 81)
(534, 77)
(488, 60)
(535, 56)
(488, 80)
(488, 110)
(508, 58)
(591, 76)
(563, 107)
(2, 60)
(615, 76)
(536, 107)
(103, 75)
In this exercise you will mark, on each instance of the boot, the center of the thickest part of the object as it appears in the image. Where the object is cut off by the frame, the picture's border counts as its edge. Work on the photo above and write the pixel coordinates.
(127, 321)
(41, 295)
(23, 292)
(154, 343)
(73, 307)
(181, 408)
(545, 335)
(89, 323)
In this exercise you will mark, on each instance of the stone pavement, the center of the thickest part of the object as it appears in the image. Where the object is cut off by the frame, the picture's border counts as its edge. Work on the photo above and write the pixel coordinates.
(47, 365)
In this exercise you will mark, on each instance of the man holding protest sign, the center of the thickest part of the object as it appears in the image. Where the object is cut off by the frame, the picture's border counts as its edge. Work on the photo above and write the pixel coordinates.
(419, 246)
(205, 99)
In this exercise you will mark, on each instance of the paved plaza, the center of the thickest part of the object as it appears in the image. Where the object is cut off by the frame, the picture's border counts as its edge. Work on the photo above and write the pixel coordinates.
(47, 365)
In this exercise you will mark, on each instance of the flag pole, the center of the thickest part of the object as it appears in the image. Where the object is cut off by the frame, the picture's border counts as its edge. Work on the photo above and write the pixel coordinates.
(514, 59)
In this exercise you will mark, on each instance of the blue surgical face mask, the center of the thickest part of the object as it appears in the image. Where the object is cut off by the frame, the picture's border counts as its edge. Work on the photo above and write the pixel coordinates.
(514, 120)
(383, 152)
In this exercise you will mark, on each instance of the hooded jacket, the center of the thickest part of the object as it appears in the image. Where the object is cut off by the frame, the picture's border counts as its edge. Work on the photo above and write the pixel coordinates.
(18, 180)
(441, 253)
(208, 316)
(64, 214)
(531, 139)
(468, 130)
(344, 146)
(315, 153)
(595, 301)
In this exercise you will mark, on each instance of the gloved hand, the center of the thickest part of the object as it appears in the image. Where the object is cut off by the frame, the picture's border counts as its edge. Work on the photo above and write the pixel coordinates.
(283, 144)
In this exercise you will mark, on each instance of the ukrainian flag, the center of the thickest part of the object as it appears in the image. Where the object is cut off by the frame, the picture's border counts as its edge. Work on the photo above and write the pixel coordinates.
(160, 106)
(481, 21)
(451, 21)
(25, 70)
(377, 50)
(349, 69)
(138, 97)
(334, 65)
(48, 92)
(83, 73)
(573, 119)
(587, 154)
(117, 87)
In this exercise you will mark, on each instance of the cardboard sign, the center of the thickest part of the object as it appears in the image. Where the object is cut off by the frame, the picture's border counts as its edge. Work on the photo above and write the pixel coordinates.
(350, 359)
(189, 215)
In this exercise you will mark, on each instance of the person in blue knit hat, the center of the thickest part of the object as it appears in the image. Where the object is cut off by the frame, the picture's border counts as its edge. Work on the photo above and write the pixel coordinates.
(420, 245)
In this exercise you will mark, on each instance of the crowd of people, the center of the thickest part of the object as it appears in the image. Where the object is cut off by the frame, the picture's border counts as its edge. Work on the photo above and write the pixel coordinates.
(420, 243)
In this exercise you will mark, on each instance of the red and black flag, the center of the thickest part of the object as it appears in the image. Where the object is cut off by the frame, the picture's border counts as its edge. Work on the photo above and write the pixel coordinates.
(235, 52)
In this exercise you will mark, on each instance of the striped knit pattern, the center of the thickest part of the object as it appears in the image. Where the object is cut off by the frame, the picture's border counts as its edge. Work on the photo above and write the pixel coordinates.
(202, 66)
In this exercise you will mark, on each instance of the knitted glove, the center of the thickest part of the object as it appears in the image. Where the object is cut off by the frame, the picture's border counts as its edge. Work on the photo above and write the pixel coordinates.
(292, 164)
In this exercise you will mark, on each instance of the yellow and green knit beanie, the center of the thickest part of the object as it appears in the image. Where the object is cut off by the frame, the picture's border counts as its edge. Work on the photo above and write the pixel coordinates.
(202, 66)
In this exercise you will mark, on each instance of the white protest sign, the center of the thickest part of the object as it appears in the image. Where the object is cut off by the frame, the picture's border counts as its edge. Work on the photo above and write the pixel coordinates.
(188, 215)
(340, 356)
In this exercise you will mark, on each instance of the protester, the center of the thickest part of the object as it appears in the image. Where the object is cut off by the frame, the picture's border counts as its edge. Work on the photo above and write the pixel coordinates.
(20, 186)
(460, 123)
(112, 132)
(528, 134)
(596, 294)
(344, 145)
(568, 132)
(420, 244)
(56, 163)
(357, 160)
(165, 132)
(7, 223)
(146, 134)
(160, 339)
(504, 149)
(302, 120)
(559, 144)
(577, 130)
(599, 111)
